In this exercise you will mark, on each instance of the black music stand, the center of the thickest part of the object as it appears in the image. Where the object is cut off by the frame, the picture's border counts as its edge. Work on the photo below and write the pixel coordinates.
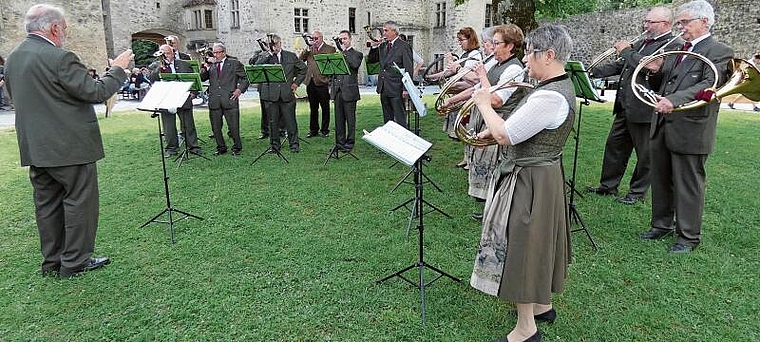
(333, 64)
(163, 96)
(584, 91)
(266, 73)
(415, 109)
(386, 138)
(197, 85)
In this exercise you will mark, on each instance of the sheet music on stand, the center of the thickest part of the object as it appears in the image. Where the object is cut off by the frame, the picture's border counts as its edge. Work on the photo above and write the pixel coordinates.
(398, 142)
(411, 89)
(165, 95)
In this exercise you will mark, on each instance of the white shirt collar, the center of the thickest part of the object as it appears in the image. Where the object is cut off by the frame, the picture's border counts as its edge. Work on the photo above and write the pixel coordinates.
(45, 38)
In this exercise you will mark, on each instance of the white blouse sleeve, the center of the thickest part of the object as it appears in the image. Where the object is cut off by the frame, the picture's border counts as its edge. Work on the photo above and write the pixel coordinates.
(509, 73)
(544, 109)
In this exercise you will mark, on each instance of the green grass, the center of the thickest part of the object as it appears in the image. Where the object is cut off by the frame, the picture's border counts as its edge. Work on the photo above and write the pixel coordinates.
(290, 252)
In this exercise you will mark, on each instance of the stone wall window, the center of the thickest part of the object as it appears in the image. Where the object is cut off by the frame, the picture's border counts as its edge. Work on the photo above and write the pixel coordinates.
(235, 13)
(300, 20)
(197, 21)
(438, 65)
(440, 14)
(352, 19)
(208, 17)
(488, 16)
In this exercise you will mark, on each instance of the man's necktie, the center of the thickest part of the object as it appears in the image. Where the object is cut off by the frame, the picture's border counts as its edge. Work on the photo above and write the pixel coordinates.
(390, 46)
(686, 47)
(218, 68)
(648, 41)
(315, 49)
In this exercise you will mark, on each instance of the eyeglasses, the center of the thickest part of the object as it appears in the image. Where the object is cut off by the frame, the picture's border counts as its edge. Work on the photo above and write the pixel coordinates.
(217, 51)
(684, 22)
(497, 43)
(462, 39)
(650, 22)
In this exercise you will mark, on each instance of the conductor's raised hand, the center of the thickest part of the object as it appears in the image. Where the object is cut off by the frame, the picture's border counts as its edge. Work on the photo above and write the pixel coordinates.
(123, 59)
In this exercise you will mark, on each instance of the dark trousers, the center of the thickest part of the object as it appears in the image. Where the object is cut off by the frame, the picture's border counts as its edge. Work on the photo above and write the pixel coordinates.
(187, 125)
(319, 97)
(264, 119)
(624, 137)
(393, 109)
(345, 123)
(281, 111)
(678, 191)
(232, 116)
(66, 202)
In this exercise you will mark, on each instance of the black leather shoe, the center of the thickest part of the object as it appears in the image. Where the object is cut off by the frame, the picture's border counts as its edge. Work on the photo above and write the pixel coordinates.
(680, 249)
(324, 135)
(236, 152)
(219, 152)
(629, 199)
(295, 149)
(655, 234)
(547, 317)
(262, 137)
(312, 135)
(601, 190)
(93, 264)
(477, 216)
(730, 105)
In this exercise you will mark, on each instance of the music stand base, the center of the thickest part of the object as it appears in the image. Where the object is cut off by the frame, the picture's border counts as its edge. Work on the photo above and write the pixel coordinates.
(172, 220)
(575, 216)
(270, 150)
(335, 153)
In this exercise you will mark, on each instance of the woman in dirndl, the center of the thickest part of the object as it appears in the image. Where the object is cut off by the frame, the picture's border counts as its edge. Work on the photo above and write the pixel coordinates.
(524, 248)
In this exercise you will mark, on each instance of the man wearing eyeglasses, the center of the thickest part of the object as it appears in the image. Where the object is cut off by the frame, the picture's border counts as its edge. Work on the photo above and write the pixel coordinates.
(392, 50)
(630, 127)
(681, 140)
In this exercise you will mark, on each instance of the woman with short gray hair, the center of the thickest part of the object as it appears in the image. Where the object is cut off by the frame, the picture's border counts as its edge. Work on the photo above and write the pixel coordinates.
(524, 248)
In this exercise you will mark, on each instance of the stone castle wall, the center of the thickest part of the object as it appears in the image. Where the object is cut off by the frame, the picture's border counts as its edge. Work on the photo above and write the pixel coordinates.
(95, 34)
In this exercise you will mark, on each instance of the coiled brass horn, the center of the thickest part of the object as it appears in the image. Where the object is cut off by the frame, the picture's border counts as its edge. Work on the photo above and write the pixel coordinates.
(374, 34)
(650, 98)
(469, 137)
(309, 39)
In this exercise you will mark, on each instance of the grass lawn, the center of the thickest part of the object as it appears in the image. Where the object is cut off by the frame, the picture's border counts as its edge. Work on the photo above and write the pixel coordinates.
(291, 252)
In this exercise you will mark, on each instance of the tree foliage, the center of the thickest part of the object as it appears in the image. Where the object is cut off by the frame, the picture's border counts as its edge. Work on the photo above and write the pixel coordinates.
(143, 50)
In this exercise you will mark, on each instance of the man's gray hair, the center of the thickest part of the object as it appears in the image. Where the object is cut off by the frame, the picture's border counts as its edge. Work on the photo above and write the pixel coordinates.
(42, 16)
(553, 37)
(221, 46)
(699, 9)
(276, 39)
(664, 12)
(392, 25)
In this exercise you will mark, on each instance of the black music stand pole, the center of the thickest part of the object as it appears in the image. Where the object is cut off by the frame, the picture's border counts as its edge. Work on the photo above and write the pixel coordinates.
(417, 210)
(420, 264)
(585, 92)
(169, 208)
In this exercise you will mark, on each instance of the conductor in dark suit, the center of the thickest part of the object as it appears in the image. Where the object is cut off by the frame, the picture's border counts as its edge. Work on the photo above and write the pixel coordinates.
(317, 86)
(227, 80)
(630, 128)
(59, 138)
(345, 93)
(682, 140)
(391, 50)
(279, 100)
(185, 113)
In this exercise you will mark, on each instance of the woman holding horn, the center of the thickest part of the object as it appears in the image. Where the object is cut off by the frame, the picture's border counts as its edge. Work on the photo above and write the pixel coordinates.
(525, 245)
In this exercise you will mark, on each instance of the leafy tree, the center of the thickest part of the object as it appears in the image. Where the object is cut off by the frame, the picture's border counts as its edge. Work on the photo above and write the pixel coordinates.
(143, 50)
